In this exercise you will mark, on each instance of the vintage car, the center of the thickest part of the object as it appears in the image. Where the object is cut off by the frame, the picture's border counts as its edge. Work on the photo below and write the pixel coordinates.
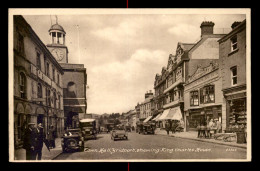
(128, 128)
(72, 140)
(118, 133)
(146, 128)
(88, 128)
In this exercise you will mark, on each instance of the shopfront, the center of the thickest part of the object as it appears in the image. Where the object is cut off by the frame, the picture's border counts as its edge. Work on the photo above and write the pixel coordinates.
(194, 116)
(236, 110)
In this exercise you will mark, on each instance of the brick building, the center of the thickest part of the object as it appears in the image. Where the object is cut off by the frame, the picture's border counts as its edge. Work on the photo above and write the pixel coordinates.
(232, 53)
(146, 106)
(74, 78)
(38, 83)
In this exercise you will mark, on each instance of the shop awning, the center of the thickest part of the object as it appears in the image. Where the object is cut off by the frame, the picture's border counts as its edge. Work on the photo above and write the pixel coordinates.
(147, 119)
(174, 114)
(165, 113)
(87, 120)
(157, 117)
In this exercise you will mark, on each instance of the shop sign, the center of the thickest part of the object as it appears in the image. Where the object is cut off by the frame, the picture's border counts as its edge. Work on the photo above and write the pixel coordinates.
(202, 79)
(39, 74)
(46, 79)
(203, 71)
(33, 70)
(236, 96)
(38, 99)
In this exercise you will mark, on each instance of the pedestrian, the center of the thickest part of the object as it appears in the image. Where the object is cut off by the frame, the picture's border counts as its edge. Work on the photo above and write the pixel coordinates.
(218, 125)
(41, 137)
(51, 136)
(167, 127)
(173, 126)
(201, 127)
(29, 141)
(210, 128)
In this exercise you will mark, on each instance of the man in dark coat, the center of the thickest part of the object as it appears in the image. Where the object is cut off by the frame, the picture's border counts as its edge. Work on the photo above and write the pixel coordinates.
(167, 127)
(51, 135)
(29, 142)
(41, 137)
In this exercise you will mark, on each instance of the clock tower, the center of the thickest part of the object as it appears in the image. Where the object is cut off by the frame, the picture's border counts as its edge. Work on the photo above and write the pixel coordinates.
(57, 45)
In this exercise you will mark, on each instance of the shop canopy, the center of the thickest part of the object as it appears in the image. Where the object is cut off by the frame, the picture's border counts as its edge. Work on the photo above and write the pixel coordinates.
(147, 119)
(172, 114)
(164, 114)
(157, 117)
(87, 120)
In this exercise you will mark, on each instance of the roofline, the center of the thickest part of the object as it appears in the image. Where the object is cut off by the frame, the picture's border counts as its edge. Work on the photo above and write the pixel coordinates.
(204, 38)
(236, 29)
(41, 44)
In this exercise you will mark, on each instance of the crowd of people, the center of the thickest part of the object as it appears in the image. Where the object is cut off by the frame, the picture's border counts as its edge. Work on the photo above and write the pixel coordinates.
(207, 128)
(174, 126)
(34, 138)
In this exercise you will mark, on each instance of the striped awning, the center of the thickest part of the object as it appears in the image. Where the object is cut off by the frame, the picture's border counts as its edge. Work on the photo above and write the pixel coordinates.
(165, 113)
(147, 119)
(157, 117)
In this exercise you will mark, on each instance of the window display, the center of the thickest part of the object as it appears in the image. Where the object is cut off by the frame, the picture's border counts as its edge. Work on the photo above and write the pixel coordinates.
(237, 117)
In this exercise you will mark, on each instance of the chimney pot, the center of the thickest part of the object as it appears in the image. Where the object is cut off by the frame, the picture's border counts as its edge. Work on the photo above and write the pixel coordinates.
(236, 23)
(207, 28)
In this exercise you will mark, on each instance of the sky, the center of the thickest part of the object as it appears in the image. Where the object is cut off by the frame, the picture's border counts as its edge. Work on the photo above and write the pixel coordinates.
(123, 52)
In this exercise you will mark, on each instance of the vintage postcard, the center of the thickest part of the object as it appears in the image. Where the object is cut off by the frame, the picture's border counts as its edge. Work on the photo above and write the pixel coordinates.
(117, 85)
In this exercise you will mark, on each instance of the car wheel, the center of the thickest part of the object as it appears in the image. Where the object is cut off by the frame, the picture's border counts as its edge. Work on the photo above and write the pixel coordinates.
(126, 138)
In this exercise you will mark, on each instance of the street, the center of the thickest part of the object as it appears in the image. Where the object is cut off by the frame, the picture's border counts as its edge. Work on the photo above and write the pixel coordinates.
(157, 147)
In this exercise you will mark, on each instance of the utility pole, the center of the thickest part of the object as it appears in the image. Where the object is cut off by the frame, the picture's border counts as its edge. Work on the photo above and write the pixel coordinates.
(78, 45)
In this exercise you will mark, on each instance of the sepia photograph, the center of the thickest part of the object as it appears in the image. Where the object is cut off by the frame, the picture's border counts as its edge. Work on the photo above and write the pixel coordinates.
(129, 85)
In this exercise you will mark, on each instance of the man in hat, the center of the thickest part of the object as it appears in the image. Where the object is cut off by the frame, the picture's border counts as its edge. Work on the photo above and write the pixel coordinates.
(29, 142)
(51, 136)
(41, 137)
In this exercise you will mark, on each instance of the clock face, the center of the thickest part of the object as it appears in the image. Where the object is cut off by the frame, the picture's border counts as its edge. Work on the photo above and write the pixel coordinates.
(58, 54)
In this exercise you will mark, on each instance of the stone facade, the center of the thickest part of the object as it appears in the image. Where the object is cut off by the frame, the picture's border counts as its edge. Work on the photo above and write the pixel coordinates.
(195, 106)
(37, 87)
(74, 78)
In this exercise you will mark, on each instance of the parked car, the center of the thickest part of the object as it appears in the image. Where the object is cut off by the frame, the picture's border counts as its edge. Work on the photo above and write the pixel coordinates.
(119, 133)
(88, 128)
(145, 128)
(72, 140)
(128, 128)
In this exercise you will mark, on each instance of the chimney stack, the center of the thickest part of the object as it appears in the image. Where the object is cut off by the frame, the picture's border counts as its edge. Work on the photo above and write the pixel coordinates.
(236, 23)
(206, 28)
(148, 94)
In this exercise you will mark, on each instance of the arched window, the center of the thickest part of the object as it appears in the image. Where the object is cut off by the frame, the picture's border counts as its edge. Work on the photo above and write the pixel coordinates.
(48, 97)
(59, 102)
(22, 85)
(48, 69)
(39, 90)
(72, 89)
(55, 99)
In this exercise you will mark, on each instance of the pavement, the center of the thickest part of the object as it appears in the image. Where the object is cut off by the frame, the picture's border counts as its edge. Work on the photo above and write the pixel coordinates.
(46, 154)
(193, 136)
(140, 147)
